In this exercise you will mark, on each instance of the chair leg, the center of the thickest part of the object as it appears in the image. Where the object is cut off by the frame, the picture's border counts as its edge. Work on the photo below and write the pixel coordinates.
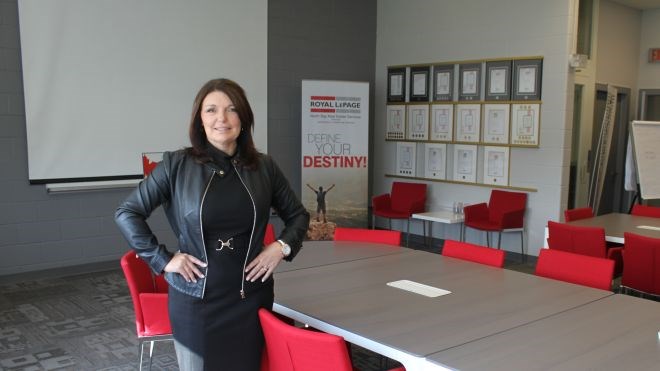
(390, 220)
(522, 245)
(499, 239)
(424, 229)
(487, 238)
(408, 232)
(141, 353)
(151, 352)
(373, 221)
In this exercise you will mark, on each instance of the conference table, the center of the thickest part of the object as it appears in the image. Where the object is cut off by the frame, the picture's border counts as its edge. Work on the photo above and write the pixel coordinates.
(336, 288)
(617, 332)
(616, 224)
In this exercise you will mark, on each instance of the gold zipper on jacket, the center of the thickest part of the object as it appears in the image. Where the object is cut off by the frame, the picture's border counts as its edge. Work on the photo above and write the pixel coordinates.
(254, 222)
(201, 230)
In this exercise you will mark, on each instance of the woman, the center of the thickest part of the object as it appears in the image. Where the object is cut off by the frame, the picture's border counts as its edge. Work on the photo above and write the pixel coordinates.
(217, 196)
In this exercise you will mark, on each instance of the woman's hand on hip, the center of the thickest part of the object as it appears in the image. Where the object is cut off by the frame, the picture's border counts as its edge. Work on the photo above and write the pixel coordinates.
(186, 265)
(265, 263)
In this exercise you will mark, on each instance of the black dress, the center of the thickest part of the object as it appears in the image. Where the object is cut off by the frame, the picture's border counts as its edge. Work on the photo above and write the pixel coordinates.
(222, 327)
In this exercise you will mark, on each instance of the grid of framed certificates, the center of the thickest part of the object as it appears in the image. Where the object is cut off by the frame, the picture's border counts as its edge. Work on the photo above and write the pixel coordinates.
(462, 118)
(466, 163)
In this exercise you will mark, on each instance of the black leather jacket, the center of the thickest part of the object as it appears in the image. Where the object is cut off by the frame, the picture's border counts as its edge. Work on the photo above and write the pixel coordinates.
(179, 184)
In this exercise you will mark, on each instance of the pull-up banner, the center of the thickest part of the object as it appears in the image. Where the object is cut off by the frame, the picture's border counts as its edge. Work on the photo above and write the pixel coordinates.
(335, 145)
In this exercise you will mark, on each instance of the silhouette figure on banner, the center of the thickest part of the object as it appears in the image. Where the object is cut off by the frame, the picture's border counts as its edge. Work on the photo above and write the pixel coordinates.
(320, 201)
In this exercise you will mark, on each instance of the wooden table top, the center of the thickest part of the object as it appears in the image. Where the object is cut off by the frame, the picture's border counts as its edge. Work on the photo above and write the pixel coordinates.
(354, 296)
(616, 224)
(617, 332)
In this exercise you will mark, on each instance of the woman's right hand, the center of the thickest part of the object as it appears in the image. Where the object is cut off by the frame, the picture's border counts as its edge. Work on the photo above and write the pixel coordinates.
(186, 265)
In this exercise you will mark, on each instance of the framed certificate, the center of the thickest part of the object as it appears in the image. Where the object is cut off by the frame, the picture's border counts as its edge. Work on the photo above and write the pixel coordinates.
(496, 165)
(419, 84)
(443, 82)
(396, 121)
(396, 84)
(527, 79)
(435, 160)
(465, 163)
(498, 80)
(468, 122)
(469, 81)
(418, 122)
(442, 122)
(405, 158)
(496, 123)
(525, 124)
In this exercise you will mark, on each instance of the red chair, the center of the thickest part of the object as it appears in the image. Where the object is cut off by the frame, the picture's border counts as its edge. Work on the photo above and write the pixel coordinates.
(641, 273)
(149, 294)
(505, 212)
(292, 348)
(404, 200)
(368, 235)
(473, 253)
(269, 236)
(575, 268)
(589, 241)
(642, 210)
(572, 215)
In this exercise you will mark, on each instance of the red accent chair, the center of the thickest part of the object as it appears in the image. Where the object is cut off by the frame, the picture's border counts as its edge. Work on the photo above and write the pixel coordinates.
(572, 215)
(149, 294)
(575, 268)
(269, 236)
(581, 240)
(473, 253)
(641, 273)
(642, 210)
(368, 235)
(292, 348)
(404, 200)
(505, 212)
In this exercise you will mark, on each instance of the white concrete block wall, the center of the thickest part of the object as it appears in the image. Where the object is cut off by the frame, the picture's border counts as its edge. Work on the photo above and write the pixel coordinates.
(419, 31)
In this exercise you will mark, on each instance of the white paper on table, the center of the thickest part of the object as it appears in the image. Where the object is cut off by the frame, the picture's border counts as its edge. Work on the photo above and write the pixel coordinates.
(418, 288)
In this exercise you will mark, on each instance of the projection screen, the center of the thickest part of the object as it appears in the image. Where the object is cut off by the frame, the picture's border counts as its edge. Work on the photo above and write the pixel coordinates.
(105, 81)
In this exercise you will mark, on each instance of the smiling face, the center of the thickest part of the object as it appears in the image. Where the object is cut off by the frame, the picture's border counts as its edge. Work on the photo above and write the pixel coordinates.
(221, 122)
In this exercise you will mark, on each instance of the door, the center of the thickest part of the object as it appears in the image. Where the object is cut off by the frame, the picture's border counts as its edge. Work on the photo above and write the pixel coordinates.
(613, 197)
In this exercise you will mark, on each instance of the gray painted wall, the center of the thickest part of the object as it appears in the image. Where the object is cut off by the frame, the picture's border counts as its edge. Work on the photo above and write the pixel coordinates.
(321, 40)
(333, 40)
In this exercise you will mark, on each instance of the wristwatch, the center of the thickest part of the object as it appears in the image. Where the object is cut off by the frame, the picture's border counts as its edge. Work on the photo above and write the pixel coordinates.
(286, 249)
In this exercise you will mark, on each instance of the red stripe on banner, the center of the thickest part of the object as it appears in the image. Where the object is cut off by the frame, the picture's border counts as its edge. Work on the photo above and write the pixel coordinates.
(322, 97)
(322, 110)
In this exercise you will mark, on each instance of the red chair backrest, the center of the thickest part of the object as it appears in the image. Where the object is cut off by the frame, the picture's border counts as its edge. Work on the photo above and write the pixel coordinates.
(504, 201)
(269, 236)
(588, 241)
(473, 253)
(292, 348)
(368, 235)
(642, 210)
(572, 215)
(404, 195)
(559, 236)
(141, 284)
(575, 268)
(641, 270)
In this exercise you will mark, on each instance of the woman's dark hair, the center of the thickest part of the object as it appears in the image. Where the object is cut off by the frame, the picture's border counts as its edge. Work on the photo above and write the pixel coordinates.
(247, 152)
